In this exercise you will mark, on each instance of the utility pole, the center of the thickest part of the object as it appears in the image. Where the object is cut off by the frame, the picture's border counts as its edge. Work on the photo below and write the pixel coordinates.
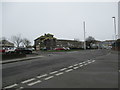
(115, 31)
(84, 35)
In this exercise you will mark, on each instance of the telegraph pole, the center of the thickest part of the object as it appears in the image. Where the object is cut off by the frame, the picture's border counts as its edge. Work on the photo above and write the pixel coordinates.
(115, 31)
(84, 35)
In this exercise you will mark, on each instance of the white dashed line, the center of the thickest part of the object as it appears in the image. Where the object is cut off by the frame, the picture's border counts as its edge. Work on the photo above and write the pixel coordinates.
(85, 64)
(89, 62)
(11, 86)
(70, 66)
(93, 61)
(69, 70)
(119, 70)
(20, 88)
(48, 77)
(33, 83)
(26, 81)
(59, 74)
(81, 65)
(63, 69)
(42, 76)
(53, 72)
(76, 67)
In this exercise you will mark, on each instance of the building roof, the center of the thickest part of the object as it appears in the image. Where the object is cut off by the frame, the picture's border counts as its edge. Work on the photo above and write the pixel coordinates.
(6, 43)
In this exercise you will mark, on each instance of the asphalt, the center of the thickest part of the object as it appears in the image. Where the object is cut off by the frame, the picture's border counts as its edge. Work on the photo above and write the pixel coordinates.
(103, 73)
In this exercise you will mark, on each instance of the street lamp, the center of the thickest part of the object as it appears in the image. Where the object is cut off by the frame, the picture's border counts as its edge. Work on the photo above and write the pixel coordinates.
(84, 35)
(114, 21)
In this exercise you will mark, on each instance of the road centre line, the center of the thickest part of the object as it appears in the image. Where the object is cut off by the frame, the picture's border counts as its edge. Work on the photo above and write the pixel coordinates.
(75, 65)
(26, 81)
(53, 72)
(42, 76)
(70, 66)
(49, 77)
(63, 69)
(59, 74)
(69, 70)
(81, 65)
(33, 83)
(11, 86)
(85, 64)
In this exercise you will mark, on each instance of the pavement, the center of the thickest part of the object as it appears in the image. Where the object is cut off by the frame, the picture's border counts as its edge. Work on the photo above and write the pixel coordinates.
(81, 69)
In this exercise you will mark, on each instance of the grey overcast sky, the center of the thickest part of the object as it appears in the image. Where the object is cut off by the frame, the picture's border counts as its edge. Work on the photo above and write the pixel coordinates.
(62, 19)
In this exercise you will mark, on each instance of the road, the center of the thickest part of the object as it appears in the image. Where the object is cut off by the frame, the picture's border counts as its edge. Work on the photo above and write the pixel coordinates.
(77, 69)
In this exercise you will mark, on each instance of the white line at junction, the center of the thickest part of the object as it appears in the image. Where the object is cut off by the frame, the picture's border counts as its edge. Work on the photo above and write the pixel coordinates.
(11, 86)
(33, 83)
(59, 74)
(49, 77)
(26, 81)
(53, 72)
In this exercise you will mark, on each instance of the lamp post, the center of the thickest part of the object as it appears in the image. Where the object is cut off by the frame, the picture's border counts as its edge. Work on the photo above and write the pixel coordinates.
(114, 21)
(84, 35)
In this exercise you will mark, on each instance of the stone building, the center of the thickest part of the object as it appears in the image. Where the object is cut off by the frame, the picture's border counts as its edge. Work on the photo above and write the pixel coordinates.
(68, 43)
(49, 42)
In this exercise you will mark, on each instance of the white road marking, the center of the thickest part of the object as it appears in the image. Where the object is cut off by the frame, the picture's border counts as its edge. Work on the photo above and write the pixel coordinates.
(63, 69)
(53, 72)
(48, 77)
(26, 81)
(89, 62)
(11, 86)
(59, 74)
(42, 76)
(69, 70)
(81, 65)
(93, 61)
(85, 64)
(76, 67)
(70, 66)
(119, 70)
(33, 83)
(20, 88)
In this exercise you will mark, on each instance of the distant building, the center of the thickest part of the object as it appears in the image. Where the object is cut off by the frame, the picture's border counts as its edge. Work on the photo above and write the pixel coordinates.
(107, 44)
(6, 44)
(68, 43)
(49, 42)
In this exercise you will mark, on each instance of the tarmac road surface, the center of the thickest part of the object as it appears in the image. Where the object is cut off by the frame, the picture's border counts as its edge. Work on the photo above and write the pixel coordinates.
(80, 69)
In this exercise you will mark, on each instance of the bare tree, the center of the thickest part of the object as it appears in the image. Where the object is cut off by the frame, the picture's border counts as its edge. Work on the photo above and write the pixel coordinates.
(90, 40)
(17, 40)
(26, 42)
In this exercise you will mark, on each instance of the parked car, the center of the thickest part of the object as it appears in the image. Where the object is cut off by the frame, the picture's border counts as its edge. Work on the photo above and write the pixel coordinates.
(2, 50)
(10, 50)
(23, 50)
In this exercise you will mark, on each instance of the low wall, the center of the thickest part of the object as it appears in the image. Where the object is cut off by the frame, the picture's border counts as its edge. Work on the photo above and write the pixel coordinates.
(12, 56)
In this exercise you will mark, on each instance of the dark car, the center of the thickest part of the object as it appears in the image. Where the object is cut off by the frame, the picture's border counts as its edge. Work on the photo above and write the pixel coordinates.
(23, 50)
